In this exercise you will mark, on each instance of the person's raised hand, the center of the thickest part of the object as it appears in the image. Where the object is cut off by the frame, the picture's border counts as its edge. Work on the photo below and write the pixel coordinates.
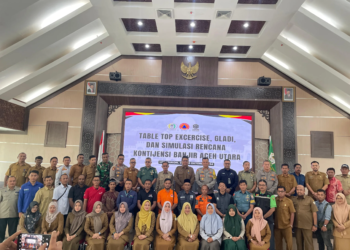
(54, 245)
(8, 244)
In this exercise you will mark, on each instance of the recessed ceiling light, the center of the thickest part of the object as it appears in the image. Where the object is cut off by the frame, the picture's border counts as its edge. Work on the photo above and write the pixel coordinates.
(190, 47)
(235, 48)
(246, 25)
(139, 23)
(147, 46)
(192, 24)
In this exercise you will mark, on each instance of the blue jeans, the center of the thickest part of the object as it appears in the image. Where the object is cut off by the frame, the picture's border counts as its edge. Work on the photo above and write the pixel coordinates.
(272, 240)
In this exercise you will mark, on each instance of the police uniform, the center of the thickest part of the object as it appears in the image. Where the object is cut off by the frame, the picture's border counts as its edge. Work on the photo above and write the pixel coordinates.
(243, 202)
(146, 173)
(117, 173)
(316, 181)
(283, 229)
(229, 177)
(249, 177)
(345, 182)
(189, 197)
(18, 171)
(205, 177)
(271, 179)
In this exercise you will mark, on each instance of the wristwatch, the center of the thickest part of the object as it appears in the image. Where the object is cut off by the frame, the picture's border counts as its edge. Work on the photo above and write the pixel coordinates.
(315, 226)
(99, 233)
(325, 225)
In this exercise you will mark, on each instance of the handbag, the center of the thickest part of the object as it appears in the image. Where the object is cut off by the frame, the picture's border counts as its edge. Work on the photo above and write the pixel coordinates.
(321, 223)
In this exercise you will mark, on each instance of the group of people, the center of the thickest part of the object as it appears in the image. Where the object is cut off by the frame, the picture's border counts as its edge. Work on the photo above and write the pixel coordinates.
(101, 204)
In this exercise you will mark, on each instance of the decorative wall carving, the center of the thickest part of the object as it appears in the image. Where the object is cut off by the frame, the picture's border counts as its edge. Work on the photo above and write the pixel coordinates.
(261, 152)
(289, 138)
(111, 109)
(11, 116)
(88, 127)
(265, 114)
(113, 147)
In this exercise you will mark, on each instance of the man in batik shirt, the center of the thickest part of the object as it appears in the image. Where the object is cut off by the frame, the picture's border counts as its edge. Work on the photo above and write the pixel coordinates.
(103, 169)
(109, 199)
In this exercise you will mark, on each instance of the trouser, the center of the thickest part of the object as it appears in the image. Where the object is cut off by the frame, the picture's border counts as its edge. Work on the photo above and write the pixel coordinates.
(304, 238)
(12, 224)
(285, 234)
(272, 240)
(324, 238)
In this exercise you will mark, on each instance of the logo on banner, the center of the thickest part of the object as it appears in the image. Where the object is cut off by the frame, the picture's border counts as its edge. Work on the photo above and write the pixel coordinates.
(195, 127)
(184, 126)
(171, 126)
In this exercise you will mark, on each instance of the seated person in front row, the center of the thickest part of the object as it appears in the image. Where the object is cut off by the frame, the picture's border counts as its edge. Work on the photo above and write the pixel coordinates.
(211, 229)
(74, 228)
(54, 221)
(95, 227)
(188, 228)
(29, 221)
(222, 200)
(166, 229)
(234, 230)
(121, 224)
(258, 231)
(144, 226)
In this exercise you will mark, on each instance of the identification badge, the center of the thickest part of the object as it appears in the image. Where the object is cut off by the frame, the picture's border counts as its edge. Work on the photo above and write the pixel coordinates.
(191, 196)
(229, 181)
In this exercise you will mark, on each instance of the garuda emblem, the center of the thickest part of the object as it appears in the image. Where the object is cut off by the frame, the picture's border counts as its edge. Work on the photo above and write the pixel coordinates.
(189, 71)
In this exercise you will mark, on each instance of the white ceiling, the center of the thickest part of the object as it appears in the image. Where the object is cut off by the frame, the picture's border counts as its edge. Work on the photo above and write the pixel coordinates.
(47, 44)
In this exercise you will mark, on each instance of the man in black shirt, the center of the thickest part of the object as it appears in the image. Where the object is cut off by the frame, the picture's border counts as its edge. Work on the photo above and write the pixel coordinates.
(228, 176)
(222, 200)
(77, 192)
(186, 195)
(147, 194)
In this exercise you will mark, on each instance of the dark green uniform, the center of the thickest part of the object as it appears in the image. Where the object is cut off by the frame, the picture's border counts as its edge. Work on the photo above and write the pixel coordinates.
(147, 174)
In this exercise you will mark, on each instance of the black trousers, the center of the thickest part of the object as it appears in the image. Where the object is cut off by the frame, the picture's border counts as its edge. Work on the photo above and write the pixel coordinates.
(12, 224)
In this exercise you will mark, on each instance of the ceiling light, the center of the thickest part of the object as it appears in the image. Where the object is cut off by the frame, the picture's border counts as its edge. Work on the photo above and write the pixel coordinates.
(190, 47)
(246, 25)
(277, 61)
(140, 23)
(235, 48)
(147, 46)
(192, 24)
(84, 41)
(97, 60)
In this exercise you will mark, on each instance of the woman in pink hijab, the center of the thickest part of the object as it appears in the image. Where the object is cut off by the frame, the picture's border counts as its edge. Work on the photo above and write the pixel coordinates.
(166, 229)
(341, 221)
(258, 232)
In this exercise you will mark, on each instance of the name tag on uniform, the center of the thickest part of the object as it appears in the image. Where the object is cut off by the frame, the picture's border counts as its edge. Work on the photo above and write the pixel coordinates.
(191, 196)
(182, 197)
(150, 195)
(229, 181)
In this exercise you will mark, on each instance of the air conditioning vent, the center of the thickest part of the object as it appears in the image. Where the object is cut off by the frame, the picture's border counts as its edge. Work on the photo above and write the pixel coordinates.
(223, 14)
(165, 14)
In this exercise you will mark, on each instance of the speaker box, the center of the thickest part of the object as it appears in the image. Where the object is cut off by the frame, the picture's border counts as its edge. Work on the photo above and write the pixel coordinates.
(264, 81)
(115, 76)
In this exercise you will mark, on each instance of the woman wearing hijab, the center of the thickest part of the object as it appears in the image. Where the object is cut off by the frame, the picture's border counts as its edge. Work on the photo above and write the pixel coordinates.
(29, 222)
(74, 228)
(95, 227)
(341, 221)
(166, 229)
(54, 221)
(211, 229)
(234, 230)
(188, 228)
(258, 231)
(144, 226)
(120, 226)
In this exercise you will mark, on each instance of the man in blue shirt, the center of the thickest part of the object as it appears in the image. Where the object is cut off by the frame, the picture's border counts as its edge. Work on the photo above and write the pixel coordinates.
(244, 202)
(323, 215)
(228, 176)
(129, 196)
(28, 191)
(298, 176)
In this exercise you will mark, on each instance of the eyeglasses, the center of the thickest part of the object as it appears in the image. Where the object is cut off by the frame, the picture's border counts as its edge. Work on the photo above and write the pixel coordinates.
(133, 162)
(147, 161)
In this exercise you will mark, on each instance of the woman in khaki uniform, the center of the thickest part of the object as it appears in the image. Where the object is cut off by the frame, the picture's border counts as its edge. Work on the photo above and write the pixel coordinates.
(29, 222)
(120, 227)
(144, 226)
(188, 228)
(95, 227)
(341, 221)
(54, 221)
(166, 229)
(74, 228)
(258, 232)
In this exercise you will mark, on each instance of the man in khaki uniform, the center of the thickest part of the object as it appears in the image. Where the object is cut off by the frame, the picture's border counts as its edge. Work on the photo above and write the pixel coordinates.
(287, 180)
(37, 167)
(284, 219)
(77, 169)
(8, 208)
(131, 174)
(345, 181)
(52, 170)
(89, 171)
(165, 174)
(182, 173)
(249, 176)
(305, 219)
(19, 170)
(205, 176)
(315, 180)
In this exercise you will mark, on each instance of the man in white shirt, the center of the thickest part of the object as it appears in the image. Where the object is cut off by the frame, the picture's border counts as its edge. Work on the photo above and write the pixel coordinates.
(60, 194)
(63, 169)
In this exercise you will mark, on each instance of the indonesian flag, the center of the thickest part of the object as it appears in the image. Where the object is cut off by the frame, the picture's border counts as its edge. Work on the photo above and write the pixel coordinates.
(101, 149)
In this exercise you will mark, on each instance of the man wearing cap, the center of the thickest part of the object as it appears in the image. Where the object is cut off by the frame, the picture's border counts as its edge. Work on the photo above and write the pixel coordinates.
(37, 167)
(345, 181)
(186, 195)
(205, 176)
(315, 180)
(269, 176)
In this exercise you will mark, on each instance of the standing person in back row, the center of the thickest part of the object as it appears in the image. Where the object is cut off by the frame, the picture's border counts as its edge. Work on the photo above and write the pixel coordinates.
(249, 176)
(147, 173)
(165, 174)
(131, 174)
(334, 186)
(300, 178)
(103, 170)
(89, 171)
(182, 173)
(315, 180)
(205, 176)
(19, 170)
(77, 169)
(345, 181)
(63, 169)
(229, 177)
(270, 177)
(37, 167)
(287, 180)
(51, 171)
